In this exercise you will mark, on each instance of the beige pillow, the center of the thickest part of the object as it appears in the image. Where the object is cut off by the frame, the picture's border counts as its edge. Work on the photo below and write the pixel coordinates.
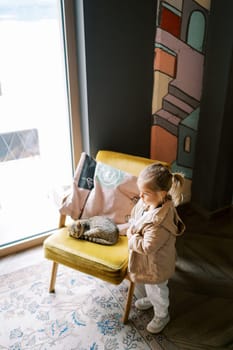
(100, 189)
(114, 194)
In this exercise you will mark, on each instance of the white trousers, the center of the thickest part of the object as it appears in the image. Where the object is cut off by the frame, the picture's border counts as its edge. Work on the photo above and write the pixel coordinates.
(158, 294)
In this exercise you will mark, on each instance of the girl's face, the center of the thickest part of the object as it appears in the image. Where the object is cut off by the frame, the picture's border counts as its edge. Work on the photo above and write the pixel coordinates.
(149, 197)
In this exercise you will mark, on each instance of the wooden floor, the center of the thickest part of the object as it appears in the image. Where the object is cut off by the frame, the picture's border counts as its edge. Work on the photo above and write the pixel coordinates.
(201, 291)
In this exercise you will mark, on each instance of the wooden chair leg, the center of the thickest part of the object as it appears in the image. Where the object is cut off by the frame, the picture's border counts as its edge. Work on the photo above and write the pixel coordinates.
(53, 277)
(128, 301)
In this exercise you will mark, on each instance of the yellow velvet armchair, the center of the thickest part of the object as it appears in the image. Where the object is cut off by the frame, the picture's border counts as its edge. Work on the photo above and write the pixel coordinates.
(108, 263)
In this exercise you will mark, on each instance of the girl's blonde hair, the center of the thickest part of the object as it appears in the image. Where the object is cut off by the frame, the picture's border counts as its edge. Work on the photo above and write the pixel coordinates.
(158, 177)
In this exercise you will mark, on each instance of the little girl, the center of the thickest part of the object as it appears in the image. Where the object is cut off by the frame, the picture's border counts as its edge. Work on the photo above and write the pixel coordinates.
(154, 225)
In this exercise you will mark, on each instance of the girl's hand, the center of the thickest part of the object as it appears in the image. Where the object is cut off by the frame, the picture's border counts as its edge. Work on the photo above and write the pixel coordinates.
(129, 235)
(130, 232)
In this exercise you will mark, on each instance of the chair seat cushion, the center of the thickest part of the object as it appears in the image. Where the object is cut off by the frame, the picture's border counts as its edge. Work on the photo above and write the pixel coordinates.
(105, 262)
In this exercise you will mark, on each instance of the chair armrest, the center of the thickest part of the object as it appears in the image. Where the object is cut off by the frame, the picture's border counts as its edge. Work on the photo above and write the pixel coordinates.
(62, 221)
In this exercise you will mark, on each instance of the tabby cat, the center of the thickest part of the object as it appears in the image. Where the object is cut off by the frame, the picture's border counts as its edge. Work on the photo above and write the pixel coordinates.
(98, 229)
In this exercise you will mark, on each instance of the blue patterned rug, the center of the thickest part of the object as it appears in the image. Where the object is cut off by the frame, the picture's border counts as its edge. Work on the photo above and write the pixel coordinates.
(84, 313)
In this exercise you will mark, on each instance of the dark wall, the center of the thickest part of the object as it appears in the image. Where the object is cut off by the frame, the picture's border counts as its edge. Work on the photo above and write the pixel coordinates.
(119, 38)
(212, 185)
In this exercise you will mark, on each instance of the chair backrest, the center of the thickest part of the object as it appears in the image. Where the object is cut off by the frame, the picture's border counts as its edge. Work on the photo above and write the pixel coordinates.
(126, 162)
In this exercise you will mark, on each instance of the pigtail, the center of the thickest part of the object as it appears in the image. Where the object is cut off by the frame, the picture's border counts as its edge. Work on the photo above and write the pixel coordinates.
(176, 188)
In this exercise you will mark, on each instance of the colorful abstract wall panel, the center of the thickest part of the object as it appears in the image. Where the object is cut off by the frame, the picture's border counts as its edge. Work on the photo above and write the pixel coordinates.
(180, 40)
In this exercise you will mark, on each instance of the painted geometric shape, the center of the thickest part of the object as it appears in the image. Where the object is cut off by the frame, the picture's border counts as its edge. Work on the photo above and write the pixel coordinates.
(160, 89)
(167, 121)
(170, 21)
(187, 139)
(196, 31)
(176, 106)
(163, 144)
(165, 62)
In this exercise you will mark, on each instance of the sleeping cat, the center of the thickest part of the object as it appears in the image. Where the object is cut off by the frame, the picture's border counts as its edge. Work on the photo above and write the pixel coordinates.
(98, 229)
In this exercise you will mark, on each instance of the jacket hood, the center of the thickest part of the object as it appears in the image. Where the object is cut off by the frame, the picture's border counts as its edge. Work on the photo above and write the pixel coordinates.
(168, 217)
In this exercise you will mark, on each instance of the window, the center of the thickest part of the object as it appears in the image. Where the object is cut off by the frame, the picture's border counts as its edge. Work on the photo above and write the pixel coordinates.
(36, 160)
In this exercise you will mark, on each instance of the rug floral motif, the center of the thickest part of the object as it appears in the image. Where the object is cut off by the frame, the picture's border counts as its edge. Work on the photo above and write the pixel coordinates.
(84, 313)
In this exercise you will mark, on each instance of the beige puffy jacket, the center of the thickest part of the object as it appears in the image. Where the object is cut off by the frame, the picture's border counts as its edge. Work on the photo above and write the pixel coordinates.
(152, 252)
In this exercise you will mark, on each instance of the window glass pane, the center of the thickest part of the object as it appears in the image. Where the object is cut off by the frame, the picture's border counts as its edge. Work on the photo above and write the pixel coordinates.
(35, 147)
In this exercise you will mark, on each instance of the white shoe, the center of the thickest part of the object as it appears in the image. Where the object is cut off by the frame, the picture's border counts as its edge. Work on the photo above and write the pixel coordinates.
(157, 324)
(143, 304)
